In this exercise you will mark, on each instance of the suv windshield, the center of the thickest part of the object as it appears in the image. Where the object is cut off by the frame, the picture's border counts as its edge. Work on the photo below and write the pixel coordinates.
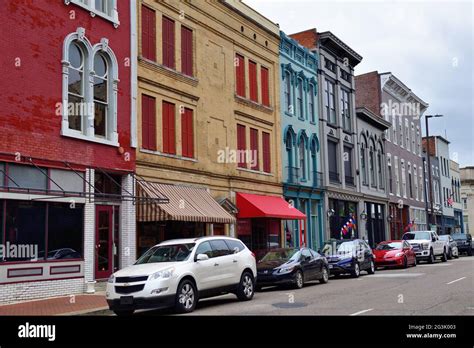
(459, 236)
(417, 236)
(167, 253)
(389, 246)
(280, 255)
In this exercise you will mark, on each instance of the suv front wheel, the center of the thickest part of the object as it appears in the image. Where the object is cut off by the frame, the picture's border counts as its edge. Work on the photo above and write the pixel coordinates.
(431, 258)
(186, 297)
(246, 287)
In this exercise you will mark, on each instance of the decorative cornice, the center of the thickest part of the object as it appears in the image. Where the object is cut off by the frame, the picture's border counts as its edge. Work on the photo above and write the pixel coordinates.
(168, 88)
(251, 117)
(252, 104)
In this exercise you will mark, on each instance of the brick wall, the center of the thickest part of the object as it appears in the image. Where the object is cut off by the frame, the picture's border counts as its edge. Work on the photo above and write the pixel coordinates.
(429, 144)
(307, 38)
(368, 91)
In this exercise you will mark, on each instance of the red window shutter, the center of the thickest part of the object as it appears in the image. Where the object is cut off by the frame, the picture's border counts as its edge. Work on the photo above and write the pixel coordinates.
(168, 42)
(254, 147)
(148, 33)
(265, 87)
(187, 51)
(240, 75)
(169, 128)
(148, 123)
(187, 133)
(266, 152)
(253, 81)
(241, 145)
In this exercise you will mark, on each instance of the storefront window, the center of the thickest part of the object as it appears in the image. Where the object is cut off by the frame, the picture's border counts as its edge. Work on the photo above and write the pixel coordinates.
(344, 210)
(25, 224)
(27, 177)
(65, 225)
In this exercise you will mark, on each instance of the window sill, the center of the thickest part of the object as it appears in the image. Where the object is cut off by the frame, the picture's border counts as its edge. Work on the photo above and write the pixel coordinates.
(159, 153)
(80, 136)
(254, 171)
(289, 114)
(252, 104)
(93, 12)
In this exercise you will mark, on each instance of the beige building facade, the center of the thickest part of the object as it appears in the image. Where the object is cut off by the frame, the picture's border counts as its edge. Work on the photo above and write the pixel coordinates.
(189, 110)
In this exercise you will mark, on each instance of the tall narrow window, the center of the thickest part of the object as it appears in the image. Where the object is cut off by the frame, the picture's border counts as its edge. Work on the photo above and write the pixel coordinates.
(254, 148)
(415, 179)
(100, 96)
(363, 163)
(312, 112)
(390, 174)
(332, 159)
(104, 6)
(302, 158)
(287, 91)
(300, 99)
(265, 86)
(241, 146)
(148, 122)
(240, 75)
(186, 51)
(410, 181)
(253, 81)
(330, 102)
(76, 87)
(397, 176)
(266, 152)
(380, 168)
(345, 110)
(349, 179)
(168, 39)
(373, 181)
(169, 128)
(404, 179)
(148, 33)
(187, 133)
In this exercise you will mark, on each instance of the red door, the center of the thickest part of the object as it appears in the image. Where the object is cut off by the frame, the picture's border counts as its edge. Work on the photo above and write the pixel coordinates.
(104, 242)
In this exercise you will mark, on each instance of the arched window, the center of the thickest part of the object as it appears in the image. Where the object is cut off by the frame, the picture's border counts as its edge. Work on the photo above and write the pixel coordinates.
(373, 181)
(380, 166)
(289, 140)
(90, 84)
(363, 160)
(302, 157)
(314, 148)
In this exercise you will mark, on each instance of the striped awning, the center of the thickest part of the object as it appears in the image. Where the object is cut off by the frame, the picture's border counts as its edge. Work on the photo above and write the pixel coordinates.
(185, 204)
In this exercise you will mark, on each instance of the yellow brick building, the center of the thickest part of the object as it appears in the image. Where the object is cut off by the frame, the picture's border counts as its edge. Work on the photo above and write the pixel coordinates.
(198, 77)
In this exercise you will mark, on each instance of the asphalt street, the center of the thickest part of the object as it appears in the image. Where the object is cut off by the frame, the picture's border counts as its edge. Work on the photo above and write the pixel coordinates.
(443, 288)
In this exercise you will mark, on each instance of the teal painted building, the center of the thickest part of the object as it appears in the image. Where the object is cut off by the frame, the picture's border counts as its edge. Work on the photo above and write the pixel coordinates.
(302, 177)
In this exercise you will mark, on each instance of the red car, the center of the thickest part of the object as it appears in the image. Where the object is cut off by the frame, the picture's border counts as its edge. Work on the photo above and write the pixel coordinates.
(394, 253)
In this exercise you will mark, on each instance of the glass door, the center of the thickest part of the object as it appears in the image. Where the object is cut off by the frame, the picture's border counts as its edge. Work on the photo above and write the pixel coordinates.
(104, 242)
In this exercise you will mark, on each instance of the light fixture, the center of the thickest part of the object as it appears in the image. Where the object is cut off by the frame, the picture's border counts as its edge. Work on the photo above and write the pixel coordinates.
(389, 218)
(363, 215)
(330, 212)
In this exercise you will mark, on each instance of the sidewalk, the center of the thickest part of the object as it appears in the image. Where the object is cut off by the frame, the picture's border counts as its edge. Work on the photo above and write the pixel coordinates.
(66, 305)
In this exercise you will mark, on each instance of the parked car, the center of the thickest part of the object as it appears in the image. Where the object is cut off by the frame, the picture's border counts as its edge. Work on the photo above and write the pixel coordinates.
(349, 256)
(464, 242)
(427, 245)
(453, 250)
(394, 253)
(294, 266)
(177, 273)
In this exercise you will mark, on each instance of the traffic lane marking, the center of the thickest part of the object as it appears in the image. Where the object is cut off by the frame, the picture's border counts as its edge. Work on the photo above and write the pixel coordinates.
(361, 312)
(456, 280)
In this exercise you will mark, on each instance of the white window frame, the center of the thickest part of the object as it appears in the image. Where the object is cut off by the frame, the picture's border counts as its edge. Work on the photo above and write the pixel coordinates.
(87, 132)
(397, 176)
(404, 178)
(415, 179)
(90, 6)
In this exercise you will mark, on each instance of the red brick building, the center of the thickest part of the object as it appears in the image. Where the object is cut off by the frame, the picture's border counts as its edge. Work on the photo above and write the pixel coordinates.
(66, 144)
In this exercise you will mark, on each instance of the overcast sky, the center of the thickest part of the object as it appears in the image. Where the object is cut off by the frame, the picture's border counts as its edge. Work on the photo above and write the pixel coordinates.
(426, 44)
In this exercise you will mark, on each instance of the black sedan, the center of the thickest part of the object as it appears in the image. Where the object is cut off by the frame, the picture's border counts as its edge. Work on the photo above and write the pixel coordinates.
(464, 242)
(293, 266)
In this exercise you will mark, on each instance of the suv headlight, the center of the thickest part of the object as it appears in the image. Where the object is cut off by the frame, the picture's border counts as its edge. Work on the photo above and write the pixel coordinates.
(425, 246)
(111, 279)
(166, 273)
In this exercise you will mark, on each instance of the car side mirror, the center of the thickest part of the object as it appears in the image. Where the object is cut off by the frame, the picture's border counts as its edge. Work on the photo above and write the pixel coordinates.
(433, 239)
(202, 257)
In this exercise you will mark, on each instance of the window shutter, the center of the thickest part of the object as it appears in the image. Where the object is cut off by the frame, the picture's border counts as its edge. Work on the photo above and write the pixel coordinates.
(169, 128)
(187, 134)
(148, 123)
(254, 147)
(253, 81)
(241, 145)
(168, 42)
(148, 33)
(240, 75)
(265, 87)
(187, 51)
(266, 152)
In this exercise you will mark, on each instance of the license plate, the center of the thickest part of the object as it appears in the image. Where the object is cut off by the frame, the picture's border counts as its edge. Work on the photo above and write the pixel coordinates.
(126, 300)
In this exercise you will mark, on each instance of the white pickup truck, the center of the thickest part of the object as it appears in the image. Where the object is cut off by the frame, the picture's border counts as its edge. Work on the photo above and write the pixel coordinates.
(427, 245)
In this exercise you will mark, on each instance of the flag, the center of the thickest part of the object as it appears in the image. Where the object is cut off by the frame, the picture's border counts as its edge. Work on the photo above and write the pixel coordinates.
(450, 201)
(409, 226)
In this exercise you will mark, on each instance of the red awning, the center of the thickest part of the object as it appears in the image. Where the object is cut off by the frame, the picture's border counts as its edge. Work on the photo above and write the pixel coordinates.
(258, 206)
